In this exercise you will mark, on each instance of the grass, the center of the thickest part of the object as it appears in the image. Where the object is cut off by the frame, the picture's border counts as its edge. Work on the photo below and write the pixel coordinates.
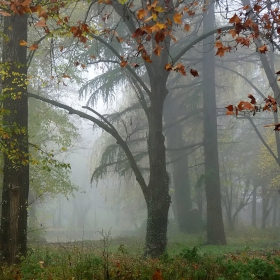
(250, 254)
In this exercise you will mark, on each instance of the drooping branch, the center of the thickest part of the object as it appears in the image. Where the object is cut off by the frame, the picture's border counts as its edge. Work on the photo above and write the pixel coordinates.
(130, 70)
(108, 127)
(199, 39)
(262, 140)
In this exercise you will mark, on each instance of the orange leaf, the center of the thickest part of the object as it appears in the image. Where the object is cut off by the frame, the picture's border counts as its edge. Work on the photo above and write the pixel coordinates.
(218, 44)
(168, 66)
(23, 43)
(141, 13)
(263, 49)
(194, 73)
(34, 47)
(123, 63)
(220, 52)
(232, 32)
(187, 27)
(146, 57)
(235, 19)
(177, 18)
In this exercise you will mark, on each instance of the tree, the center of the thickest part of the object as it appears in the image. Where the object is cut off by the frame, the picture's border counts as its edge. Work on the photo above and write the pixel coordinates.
(16, 154)
(149, 28)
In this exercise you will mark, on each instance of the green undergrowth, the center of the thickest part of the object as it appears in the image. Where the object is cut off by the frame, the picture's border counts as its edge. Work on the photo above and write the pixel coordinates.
(190, 263)
(121, 258)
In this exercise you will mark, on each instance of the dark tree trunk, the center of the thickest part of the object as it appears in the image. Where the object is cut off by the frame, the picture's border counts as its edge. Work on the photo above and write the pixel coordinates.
(16, 165)
(179, 164)
(275, 208)
(254, 206)
(215, 226)
(157, 196)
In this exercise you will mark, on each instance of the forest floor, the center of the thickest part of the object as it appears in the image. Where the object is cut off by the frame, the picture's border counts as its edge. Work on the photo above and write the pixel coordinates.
(250, 254)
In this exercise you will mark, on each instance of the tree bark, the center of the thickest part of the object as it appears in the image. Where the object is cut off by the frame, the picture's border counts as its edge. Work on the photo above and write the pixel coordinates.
(16, 160)
(157, 196)
(215, 226)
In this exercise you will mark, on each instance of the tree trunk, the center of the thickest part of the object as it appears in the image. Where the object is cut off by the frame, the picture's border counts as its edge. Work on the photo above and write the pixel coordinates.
(179, 165)
(157, 196)
(254, 206)
(16, 161)
(274, 216)
(215, 226)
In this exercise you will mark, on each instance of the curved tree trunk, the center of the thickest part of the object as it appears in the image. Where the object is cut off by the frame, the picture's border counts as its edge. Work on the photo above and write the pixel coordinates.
(215, 226)
(16, 165)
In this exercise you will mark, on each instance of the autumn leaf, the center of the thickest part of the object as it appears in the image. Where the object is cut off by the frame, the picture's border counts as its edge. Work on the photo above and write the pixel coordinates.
(278, 72)
(146, 57)
(235, 19)
(23, 43)
(257, 8)
(218, 44)
(253, 99)
(33, 47)
(243, 105)
(141, 13)
(187, 27)
(123, 63)
(157, 50)
(180, 68)
(232, 32)
(230, 109)
(194, 73)
(220, 52)
(177, 18)
(168, 66)
(263, 49)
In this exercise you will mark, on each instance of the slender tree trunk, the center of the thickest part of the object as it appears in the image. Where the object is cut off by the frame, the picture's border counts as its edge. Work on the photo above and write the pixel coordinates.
(157, 197)
(254, 206)
(179, 165)
(16, 163)
(215, 226)
(274, 216)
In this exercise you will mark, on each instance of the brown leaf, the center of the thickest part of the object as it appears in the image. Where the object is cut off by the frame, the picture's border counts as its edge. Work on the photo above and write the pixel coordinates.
(263, 49)
(187, 27)
(141, 13)
(194, 73)
(157, 50)
(168, 66)
(177, 18)
(23, 43)
(243, 105)
(123, 63)
(34, 47)
(235, 19)
(253, 99)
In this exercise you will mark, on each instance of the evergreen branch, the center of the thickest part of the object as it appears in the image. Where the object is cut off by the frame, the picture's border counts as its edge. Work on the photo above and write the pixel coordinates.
(108, 128)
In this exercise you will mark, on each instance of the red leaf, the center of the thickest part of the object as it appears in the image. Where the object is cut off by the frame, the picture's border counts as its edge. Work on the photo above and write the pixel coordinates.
(253, 99)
